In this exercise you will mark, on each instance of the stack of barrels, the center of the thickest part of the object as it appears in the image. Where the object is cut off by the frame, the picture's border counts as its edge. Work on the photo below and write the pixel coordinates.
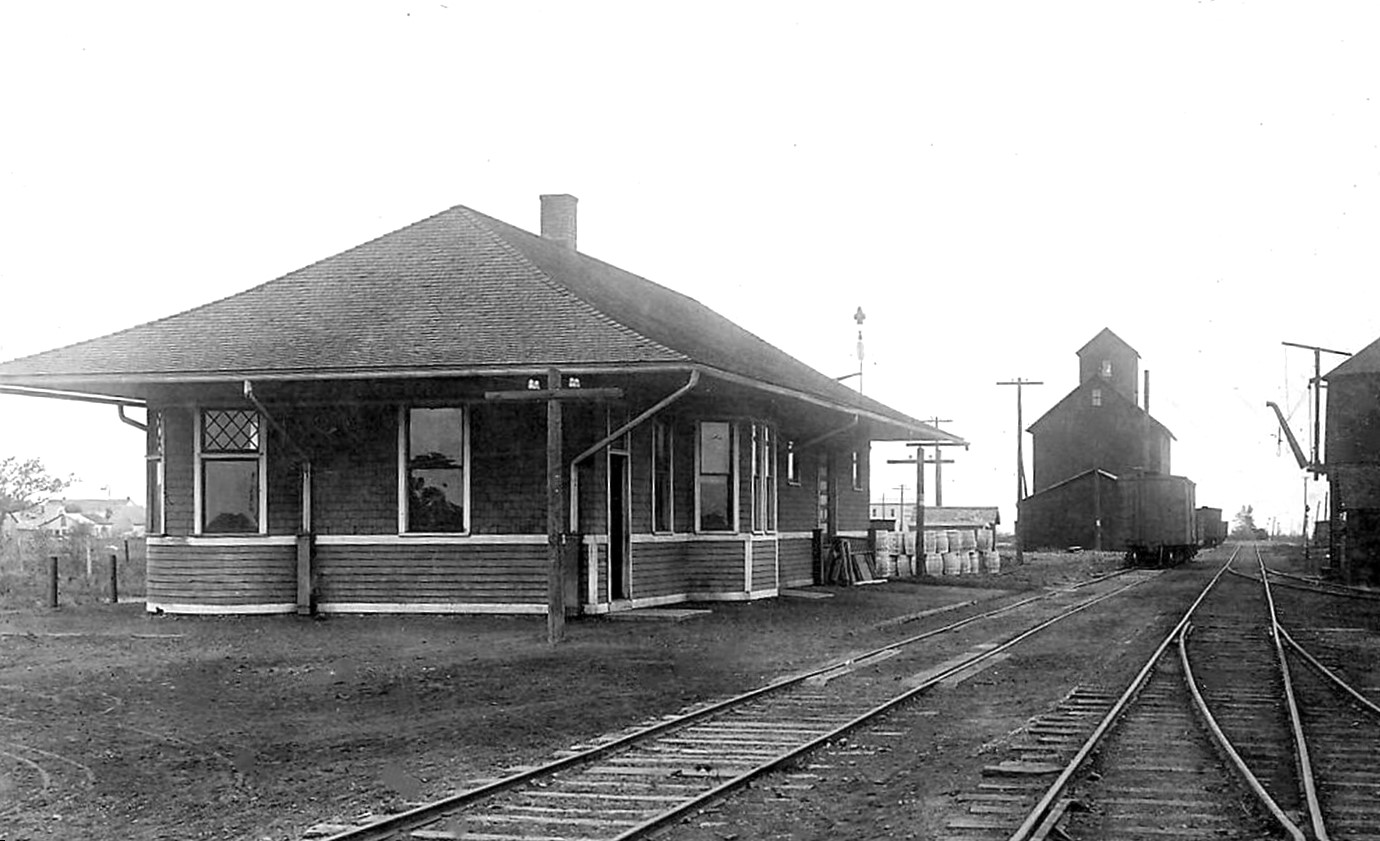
(947, 552)
(961, 553)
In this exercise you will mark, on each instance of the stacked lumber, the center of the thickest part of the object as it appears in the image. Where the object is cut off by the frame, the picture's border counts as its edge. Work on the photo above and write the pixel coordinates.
(846, 567)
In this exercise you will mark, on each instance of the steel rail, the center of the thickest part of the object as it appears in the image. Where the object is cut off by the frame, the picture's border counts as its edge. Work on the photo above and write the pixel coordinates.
(1327, 588)
(1310, 788)
(1256, 787)
(1365, 702)
(1056, 788)
(387, 826)
(771, 765)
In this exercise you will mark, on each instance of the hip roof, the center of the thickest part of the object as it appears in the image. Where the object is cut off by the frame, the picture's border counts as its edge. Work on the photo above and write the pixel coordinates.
(458, 291)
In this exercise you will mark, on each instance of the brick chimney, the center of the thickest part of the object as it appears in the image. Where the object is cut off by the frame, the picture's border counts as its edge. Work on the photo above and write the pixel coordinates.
(558, 218)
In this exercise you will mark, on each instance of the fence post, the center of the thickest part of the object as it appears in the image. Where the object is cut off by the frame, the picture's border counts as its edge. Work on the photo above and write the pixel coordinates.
(114, 579)
(52, 581)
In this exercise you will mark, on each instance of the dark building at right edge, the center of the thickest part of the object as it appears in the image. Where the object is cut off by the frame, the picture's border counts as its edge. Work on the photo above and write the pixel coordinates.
(1087, 447)
(1353, 466)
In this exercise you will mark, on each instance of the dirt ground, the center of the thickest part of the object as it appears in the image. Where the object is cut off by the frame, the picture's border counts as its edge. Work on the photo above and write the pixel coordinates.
(117, 725)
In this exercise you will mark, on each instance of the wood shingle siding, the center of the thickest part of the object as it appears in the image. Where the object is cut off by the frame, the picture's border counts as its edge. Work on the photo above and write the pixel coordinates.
(355, 484)
(178, 473)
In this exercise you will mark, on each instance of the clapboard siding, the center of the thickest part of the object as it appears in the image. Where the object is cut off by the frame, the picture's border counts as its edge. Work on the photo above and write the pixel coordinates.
(764, 565)
(419, 574)
(714, 566)
(658, 570)
(221, 575)
(797, 561)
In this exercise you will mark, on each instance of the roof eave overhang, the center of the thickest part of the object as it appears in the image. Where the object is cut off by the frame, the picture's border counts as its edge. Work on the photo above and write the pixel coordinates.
(910, 429)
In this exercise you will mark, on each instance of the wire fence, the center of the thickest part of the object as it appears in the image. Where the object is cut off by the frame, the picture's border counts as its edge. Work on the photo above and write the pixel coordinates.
(83, 569)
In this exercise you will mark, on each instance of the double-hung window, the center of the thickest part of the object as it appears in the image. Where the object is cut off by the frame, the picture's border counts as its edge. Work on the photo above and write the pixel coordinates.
(230, 459)
(763, 479)
(714, 492)
(662, 478)
(434, 471)
(153, 463)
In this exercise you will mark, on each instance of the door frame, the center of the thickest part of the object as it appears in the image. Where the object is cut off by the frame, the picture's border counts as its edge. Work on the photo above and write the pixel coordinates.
(620, 543)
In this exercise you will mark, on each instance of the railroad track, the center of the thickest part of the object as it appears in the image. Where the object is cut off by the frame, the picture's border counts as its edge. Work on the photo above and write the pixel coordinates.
(627, 786)
(1230, 737)
(1318, 585)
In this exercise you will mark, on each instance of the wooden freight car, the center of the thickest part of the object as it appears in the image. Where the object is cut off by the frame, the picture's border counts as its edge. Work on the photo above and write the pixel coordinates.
(1209, 528)
(1158, 511)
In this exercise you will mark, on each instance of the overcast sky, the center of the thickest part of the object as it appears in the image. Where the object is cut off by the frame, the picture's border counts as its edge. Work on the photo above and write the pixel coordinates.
(993, 183)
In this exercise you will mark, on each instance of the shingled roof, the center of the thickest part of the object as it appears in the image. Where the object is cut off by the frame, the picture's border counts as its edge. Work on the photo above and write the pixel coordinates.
(1365, 361)
(1079, 395)
(457, 293)
(1106, 336)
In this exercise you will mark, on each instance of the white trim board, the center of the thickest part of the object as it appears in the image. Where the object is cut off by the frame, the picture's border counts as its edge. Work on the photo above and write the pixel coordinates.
(220, 609)
(430, 539)
(432, 607)
(238, 540)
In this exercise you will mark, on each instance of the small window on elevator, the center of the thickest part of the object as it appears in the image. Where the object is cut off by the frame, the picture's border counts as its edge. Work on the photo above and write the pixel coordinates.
(1097, 397)
(1106, 369)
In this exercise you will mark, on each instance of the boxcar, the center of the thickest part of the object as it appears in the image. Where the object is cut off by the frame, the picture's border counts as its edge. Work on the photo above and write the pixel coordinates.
(1209, 527)
(1160, 522)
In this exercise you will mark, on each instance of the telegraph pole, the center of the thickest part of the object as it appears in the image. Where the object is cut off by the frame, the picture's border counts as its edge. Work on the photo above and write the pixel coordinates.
(919, 462)
(1019, 383)
(939, 462)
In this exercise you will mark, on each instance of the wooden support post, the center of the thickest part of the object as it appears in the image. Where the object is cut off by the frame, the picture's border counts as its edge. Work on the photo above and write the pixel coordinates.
(555, 511)
(304, 547)
(556, 516)
(52, 581)
(114, 579)
(920, 566)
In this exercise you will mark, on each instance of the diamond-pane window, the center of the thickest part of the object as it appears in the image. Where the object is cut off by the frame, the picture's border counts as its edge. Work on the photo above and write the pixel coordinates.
(230, 431)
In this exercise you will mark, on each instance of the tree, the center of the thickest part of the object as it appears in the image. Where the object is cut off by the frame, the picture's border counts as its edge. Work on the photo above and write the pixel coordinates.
(1243, 524)
(24, 484)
